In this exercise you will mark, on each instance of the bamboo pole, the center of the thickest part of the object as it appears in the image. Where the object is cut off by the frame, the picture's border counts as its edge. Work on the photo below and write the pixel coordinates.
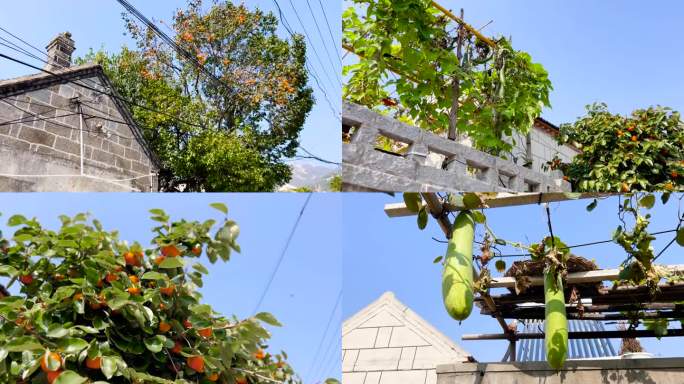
(465, 25)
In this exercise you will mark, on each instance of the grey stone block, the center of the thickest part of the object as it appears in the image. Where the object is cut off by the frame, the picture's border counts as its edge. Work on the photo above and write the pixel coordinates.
(37, 136)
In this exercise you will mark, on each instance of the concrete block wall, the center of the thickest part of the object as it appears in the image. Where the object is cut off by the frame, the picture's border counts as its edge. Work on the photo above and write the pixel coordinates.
(365, 168)
(542, 147)
(52, 146)
(604, 371)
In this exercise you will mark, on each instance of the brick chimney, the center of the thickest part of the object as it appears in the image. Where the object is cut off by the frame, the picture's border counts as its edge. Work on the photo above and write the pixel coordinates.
(59, 52)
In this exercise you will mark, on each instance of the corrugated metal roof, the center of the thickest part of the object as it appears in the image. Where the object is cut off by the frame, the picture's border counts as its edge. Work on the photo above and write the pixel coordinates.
(535, 350)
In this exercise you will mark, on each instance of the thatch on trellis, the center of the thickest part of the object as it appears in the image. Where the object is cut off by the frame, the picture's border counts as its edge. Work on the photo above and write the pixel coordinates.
(536, 268)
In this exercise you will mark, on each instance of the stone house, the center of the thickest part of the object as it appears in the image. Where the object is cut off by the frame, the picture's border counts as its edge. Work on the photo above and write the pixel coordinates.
(540, 146)
(68, 130)
(388, 343)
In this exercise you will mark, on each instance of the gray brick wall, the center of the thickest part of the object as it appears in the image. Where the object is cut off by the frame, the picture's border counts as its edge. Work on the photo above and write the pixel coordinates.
(52, 146)
(543, 147)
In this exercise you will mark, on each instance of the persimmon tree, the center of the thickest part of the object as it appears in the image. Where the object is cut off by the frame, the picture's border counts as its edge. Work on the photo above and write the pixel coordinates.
(95, 309)
(243, 120)
(640, 152)
(442, 79)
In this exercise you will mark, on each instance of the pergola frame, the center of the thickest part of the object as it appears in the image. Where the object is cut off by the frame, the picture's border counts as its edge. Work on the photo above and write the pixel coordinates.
(616, 303)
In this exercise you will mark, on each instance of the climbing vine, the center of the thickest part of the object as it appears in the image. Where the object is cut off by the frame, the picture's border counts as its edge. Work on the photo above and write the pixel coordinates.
(447, 76)
(632, 235)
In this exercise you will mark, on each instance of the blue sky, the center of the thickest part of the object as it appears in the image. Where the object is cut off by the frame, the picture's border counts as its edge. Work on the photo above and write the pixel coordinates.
(622, 52)
(96, 24)
(383, 254)
(303, 293)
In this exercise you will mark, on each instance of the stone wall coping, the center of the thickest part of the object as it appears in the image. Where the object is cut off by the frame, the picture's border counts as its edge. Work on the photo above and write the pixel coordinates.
(361, 154)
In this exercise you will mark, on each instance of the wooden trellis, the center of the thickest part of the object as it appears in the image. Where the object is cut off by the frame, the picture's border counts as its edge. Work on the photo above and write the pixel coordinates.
(596, 302)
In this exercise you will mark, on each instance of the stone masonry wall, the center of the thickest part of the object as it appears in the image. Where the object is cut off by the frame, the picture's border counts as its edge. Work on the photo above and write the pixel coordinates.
(52, 146)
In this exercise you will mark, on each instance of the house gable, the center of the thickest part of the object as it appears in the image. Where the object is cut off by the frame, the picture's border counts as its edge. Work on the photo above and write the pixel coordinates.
(387, 343)
(41, 137)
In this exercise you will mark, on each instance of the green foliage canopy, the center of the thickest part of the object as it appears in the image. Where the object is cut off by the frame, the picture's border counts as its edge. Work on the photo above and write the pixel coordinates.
(116, 312)
(242, 125)
(500, 91)
(643, 151)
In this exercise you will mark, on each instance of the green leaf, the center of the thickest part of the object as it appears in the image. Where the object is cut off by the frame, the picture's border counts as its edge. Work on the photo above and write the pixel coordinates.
(70, 377)
(72, 345)
(155, 343)
(16, 220)
(268, 319)
(8, 270)
(171, 262)
(572, 195)
(472, 201)
(479, 217)
(23, 343)
(220, 206)
(56, 330)
(422, 218)
(63, 292)
(157, 212)
(647, 201)
(437, 259)
(200, 268)
(592, 205)
(680, 237)
(665, 197)
(109, 366)
(155, 276)
(413, 201)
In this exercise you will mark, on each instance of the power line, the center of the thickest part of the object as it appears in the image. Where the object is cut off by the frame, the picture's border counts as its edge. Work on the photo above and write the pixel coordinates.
(112, 95)
(31, 55)
(25, 42)
(332, 38)
(35, 118)
(314, 157)
(325, 361)
(183, 52)
(327, 327)
(282, 254)
(306, 34)
(320, 34)
(115, 96)
(311, 70)
(572, 246)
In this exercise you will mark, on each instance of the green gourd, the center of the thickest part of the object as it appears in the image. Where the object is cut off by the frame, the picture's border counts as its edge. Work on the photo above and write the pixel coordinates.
(556, 323)
(457, 276)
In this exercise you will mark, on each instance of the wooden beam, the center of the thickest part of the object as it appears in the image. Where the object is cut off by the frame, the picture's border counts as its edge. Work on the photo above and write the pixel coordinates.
(503, 200)
(537, 312)
(577, 335)
(575, 277)
(636, 295)
(615, 316)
